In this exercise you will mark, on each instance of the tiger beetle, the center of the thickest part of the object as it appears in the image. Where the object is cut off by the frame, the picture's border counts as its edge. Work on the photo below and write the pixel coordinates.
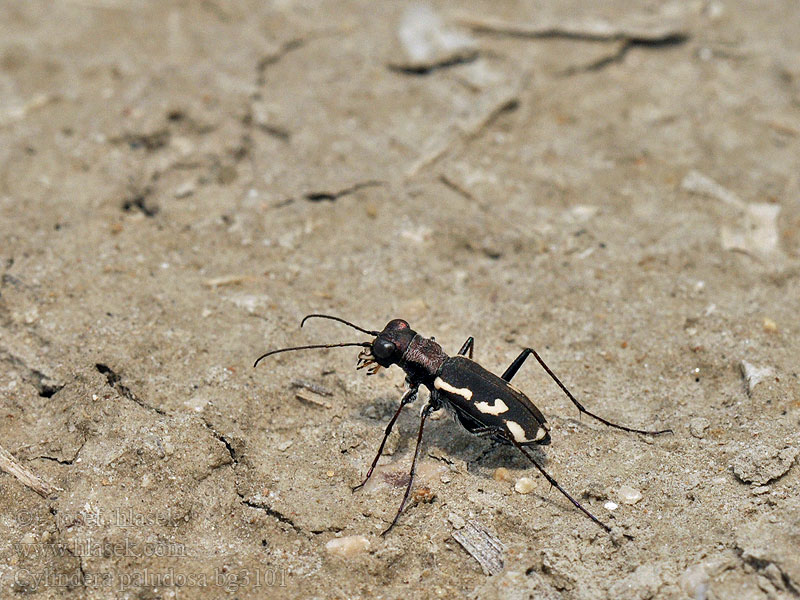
(483, 403)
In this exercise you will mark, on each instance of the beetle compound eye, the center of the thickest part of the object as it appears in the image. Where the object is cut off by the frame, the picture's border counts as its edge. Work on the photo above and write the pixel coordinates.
(383, 349)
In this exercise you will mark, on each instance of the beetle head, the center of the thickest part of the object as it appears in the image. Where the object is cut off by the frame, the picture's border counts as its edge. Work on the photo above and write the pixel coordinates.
(391, 344)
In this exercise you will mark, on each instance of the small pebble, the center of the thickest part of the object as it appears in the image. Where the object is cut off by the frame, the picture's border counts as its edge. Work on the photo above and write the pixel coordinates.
(629, 495)
(348, 547)
(698, 426)
(524, 485)
(611, 505)
(759, 490)
(502, 474)
(754, 375)
(185, 190)
(196, 403)
(456, 521)
(770, 326)
(694, 582)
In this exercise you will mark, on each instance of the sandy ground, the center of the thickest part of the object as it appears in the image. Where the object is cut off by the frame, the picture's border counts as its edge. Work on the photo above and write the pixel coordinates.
(180, 182)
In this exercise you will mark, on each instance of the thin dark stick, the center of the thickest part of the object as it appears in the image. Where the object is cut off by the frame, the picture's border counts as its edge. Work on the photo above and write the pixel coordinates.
(583, 410)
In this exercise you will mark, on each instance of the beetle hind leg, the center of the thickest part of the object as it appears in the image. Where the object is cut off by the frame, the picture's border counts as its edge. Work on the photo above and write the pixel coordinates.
(553, 483)
(514, 367)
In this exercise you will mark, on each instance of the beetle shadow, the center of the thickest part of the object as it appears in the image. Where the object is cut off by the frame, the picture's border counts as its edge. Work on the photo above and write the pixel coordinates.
(482, 454)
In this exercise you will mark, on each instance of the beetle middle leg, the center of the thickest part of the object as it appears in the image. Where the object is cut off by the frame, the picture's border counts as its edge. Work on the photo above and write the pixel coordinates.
(467, 347)
(514, 367)
(407, 398)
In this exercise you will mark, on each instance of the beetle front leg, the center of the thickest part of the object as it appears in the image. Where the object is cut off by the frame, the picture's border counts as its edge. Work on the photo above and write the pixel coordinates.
(407, 398)
(514, 367)
(426, 410)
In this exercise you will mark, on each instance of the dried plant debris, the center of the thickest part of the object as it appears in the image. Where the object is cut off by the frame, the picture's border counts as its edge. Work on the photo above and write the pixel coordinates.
(484, 112)
(311, 387)
(482, 546)
(760, 464)
(310, 398)
(696, 183)
(12, 466)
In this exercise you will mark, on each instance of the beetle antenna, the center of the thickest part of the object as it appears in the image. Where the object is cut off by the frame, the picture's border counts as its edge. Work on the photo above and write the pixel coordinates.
(271, 352)
(332, 318)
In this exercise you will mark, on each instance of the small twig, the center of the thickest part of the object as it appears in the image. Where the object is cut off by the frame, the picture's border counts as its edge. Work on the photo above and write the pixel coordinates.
(305, 397)
(12, 466)
(215, 282)
(311, 387)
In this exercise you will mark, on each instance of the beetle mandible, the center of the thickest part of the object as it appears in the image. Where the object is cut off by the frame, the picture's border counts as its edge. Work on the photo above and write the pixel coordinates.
(483, 403)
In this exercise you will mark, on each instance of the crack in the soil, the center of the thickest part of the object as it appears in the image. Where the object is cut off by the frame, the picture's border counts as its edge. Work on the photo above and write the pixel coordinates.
(221, 438)
(427, 68)
(622, 51)
(44, 384)
(576, 32)
(271, 512)
(760, 565)
(138, 202)
(267, 61)
(151, 142)
(115, 382)
(67, 461)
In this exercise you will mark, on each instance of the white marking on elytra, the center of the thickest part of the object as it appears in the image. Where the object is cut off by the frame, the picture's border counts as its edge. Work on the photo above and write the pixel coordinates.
(441, 384)
(496, 408)
(517, 431)
(540, 433)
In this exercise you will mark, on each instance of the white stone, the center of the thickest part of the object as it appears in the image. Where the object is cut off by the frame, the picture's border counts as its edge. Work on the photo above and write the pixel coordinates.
(348, 547)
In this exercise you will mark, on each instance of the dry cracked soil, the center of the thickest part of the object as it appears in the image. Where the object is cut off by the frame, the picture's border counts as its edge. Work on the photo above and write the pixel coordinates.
(614, 184)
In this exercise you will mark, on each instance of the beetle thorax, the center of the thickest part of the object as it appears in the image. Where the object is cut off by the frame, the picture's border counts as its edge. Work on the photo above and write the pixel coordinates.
(423, 359)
